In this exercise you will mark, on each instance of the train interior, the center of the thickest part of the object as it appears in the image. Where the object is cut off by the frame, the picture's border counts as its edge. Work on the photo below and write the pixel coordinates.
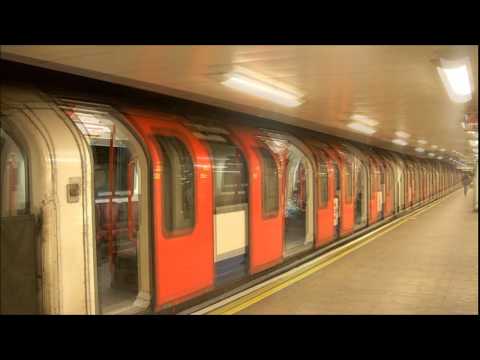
(297, 201)
(361, 194)
(116, 173)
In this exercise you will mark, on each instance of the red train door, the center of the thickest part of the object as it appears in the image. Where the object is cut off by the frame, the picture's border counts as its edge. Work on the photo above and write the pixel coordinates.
(337, 197)
(374, 187)
(266, 219)
(182, 208)
(325, 206)
(347, 199)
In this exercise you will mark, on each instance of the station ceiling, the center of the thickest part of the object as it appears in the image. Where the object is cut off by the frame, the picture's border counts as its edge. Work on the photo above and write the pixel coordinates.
(397, 86)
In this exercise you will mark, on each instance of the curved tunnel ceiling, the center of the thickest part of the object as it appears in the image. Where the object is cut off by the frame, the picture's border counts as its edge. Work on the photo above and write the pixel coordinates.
(397, 86)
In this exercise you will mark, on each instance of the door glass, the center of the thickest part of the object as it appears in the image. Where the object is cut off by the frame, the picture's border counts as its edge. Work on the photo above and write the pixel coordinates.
(322, 185)
(178, 186)
(13, 177)
(361, 196)
(269, 183)
(18, 234)
(231, 175)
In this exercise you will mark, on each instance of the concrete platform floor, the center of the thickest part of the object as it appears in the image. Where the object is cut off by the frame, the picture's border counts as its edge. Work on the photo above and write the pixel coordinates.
(427, 265)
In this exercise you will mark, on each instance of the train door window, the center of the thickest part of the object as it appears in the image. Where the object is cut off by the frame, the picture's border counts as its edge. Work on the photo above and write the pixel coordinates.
(231, 175)
(322, 185)
(121, 214)
(178, 186)
(348, 183)
(231, 211)
(269, 183)
(13, 177)
(361, 195)
(19, 253)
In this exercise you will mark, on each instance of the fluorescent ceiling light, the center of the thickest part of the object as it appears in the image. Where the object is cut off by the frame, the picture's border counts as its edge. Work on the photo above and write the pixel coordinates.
(455, 76)
(399, 142)
(364, 120)
(361, 128)
(423, 142)
(263, 90)
(439, 157)
(431, 154)
(473, 142)
(420, 149)
(402, 134)
(463, 124)
(442, 150)
(434, 146)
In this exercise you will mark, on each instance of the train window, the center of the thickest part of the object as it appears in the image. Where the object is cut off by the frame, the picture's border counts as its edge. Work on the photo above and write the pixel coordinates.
(323, 185)
(101, 156)
(231, 175)
(269, 183)
(178, 185)
(348, 183)
(13, 177)
(387, 181)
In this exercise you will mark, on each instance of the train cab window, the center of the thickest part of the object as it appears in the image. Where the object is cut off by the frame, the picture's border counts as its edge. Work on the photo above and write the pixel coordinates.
(269, 183)
(13, 177)
(348, 183)
(178, 185)
(323, 185)
(231, 175)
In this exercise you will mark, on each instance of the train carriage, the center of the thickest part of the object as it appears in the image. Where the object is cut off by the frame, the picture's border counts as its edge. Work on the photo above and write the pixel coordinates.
(130, 209)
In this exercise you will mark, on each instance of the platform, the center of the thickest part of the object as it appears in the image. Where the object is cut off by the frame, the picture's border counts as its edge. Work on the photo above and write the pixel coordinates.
(428, 264)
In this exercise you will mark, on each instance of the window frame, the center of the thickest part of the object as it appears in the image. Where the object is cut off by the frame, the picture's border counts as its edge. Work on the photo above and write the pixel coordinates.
(211, 153)
(187, 230)
(323, 204)
(272, 214)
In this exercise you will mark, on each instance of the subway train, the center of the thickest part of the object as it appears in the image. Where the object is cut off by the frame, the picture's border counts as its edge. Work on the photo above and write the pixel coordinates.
(109, 207)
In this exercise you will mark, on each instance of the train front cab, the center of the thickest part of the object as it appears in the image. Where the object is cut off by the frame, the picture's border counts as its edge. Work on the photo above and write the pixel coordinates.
(88, 245)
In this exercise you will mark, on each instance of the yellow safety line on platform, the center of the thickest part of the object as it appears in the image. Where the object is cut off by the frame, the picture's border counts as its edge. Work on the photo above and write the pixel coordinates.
(325, 260)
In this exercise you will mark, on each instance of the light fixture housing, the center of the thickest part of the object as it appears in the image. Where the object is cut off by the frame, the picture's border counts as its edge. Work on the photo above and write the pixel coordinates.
(263, 90)
(364, 120)
(400, 142)
(359, 127)
(457, 79)
(402, 134)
